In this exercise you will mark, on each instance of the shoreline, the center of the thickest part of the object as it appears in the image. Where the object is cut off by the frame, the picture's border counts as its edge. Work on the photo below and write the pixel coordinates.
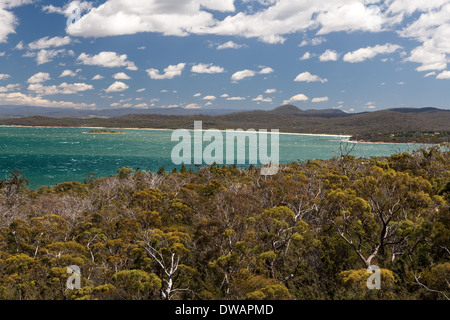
(346, 138)
(166, 129)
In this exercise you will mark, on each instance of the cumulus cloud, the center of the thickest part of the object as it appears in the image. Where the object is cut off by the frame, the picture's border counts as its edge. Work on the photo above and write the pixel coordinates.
(329, 55)
(68, 9)
(107, 59)
(211, 98)
(261, 98)
(296, 98)
(170, 72)
(117, 86)
(322, 99)
(20, 99)
(141, 105)
(45, 56)
(4, 76)
(243, 74)
(9, 87)
(363, 54)
(269, 91)
(39, 77)
(192, 106)
(175, 17)
(443, 75)
(47, 42)
(121, 76)
(229, 45)
(269, 24)
(8, 20)
(266, 70)
(236, 98)
(63, 88)
(207, 68)
(97, 77)
(313, 42)
(308, 77)
(306, 56)
(69, 73)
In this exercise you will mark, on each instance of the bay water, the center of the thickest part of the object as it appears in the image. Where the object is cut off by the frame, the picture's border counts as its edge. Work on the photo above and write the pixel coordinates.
(48, 156)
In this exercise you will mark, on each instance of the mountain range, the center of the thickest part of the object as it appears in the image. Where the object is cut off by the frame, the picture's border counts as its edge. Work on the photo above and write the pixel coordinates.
(391, 125)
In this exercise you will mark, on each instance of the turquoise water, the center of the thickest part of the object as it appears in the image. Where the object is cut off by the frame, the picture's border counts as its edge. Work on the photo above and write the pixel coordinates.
(48, 156)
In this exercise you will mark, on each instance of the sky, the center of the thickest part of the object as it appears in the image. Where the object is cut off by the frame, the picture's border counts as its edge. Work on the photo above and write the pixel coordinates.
(352, 55)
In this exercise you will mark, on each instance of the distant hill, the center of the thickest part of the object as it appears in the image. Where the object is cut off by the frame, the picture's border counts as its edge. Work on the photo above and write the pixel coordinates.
(292, 110)
(30, 111)
(393, 125)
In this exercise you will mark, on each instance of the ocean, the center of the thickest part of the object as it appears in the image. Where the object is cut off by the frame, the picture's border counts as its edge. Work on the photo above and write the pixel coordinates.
(48, 156)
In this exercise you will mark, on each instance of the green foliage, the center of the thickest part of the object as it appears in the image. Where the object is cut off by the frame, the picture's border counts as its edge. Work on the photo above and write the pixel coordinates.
(308, 232)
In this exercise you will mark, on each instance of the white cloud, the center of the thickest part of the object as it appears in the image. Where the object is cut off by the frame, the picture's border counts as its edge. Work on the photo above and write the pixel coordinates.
(17, 98)
(270, 91)
(351, 16)
(306, 56)
(269, 24)
(63, 88)
(39, 77)
(69, 8)
(141, 105)
(313, 42)
(207, 68)
(45, 56)
(240, 75)
(443, 75)
(236, 98)
(4, 76)
(117, 87)
(308, 77)
(197, 95)
(170, 72)
(121, 76)
(192, 106)
(212, 98)
(69, 73)
(363, 54)
(429, 74)
(266, 70)
(323, 99)
(8, 22)
(107, 59)
(19, 46)
(175, 17)
(229, 45)
(141, 90)
(9, 87)
(97, 77)
(260, 98)
(46, 43)
(287, 16)
(329, 55)
(296, 98)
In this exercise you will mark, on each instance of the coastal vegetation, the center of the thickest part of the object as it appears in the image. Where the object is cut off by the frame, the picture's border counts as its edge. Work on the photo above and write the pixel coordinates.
(308, 232)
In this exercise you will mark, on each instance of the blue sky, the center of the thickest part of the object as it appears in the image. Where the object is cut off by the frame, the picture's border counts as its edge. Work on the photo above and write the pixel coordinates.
(355, 55)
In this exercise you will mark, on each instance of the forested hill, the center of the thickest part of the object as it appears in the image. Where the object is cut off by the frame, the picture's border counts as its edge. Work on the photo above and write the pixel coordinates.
(393, 125)
(308, 232)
